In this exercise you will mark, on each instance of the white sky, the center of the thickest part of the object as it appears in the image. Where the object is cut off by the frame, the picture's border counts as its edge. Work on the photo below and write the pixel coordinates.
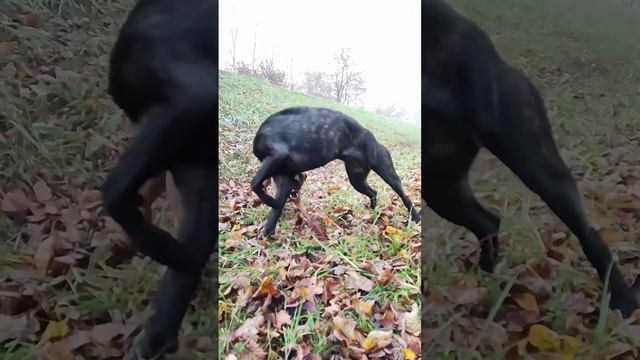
(305, 35)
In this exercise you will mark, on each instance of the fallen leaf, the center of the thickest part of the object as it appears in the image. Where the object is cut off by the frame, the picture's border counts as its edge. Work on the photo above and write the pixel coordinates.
(90, 199)
(11, 327)
(344, 328)
(43, 255)
(388, 319)
(543, 338)
(357, 281)
(526, 301)
(15, 203)
(55, 329)
(103, 333)
(408, 354)
(249, 329)
(412, 321)
(610, 236)
(222, 307)
(363, 308)
(377, 338)
(282, 318)
(568, 347)
(266, 287)
(42, 191)
(384, 277)
(33, 20)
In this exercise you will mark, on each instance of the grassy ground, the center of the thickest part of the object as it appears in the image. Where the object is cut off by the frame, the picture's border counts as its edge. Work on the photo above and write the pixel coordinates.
(68, 282)
(304, 294)
(584, 58)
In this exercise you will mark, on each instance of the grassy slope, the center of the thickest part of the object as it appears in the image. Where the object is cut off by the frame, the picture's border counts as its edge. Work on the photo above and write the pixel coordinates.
(584, 58)
(354, 240)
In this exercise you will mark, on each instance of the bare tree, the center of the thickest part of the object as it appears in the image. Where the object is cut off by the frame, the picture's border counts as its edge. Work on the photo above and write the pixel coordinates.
(317, 84)
(234, 39)
(392, 112)
(348, 84)
(268, 71)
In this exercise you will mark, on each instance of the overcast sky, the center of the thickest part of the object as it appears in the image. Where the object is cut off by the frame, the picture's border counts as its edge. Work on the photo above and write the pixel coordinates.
(304, 35)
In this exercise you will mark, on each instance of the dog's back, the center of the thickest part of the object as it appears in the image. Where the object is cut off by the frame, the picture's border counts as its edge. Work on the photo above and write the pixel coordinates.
(309, 130)
(158, 37)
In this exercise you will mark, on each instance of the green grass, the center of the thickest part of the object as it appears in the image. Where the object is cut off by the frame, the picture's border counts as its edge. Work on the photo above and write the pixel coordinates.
(583, 56)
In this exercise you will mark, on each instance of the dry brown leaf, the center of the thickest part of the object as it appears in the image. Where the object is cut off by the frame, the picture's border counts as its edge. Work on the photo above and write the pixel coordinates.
(526, 301)
(470, 295)
(384, 277)
(357, 281)
(363, 308)
(52, 352)
(103, 333)
(266, 287)
(11, 327)
(43, 255)
(70, 343)
(412, 321)
(249, 329)
(90, 199)
(610, 236)
(344, 328)
(388, 319)
(42, 191)
(15, 203)
(282, 318)
(33, 20)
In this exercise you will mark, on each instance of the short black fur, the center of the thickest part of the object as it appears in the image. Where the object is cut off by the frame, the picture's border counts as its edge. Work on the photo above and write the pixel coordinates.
(471, 99)
(163, 74)
(299, 139)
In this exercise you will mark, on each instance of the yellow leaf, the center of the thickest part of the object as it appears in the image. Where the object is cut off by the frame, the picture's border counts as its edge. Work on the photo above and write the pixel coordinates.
(368, 344)
(222, 307)
(375, 338)
(282, 272)
(568, 347)
(390, 230)
(409, 354)
(235, 227)
(56, 329)
(403, 253)
(543, 338)
(526, 301)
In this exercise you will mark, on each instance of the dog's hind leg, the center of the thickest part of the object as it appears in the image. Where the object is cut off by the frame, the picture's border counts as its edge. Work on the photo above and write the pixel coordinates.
(284, 186)
(446, 190)
(269, 166)
(527, 147)
(177, 289)
(358, 172)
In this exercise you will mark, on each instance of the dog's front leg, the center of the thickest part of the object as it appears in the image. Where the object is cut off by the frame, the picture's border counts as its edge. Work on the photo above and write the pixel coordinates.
(284, 186)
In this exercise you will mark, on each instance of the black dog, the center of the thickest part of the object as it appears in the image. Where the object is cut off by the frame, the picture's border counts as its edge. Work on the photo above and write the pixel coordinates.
(472, 99)
(163, 74)
(298, 139)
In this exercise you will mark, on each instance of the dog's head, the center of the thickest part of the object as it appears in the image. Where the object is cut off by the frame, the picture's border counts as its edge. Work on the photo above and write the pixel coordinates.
(299, 180)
